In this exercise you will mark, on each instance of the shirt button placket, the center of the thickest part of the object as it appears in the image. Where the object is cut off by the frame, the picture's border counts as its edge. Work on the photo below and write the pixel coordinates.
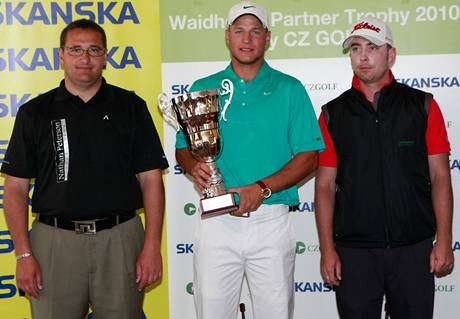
(243, 86)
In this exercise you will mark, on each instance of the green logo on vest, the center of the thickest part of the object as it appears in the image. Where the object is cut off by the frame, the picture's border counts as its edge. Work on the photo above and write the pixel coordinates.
(406, 143)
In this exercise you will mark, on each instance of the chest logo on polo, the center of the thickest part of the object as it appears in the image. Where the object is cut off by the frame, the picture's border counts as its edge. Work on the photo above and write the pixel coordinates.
(61, 149)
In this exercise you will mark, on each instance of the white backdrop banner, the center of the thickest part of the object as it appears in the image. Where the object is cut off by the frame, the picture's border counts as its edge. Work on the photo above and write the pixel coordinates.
(306, 39)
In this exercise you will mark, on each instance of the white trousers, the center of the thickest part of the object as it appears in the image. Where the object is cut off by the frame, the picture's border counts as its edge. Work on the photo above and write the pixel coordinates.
(262, 247)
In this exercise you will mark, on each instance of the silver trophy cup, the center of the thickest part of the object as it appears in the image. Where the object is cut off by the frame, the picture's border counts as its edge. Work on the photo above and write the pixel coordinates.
(197, 113)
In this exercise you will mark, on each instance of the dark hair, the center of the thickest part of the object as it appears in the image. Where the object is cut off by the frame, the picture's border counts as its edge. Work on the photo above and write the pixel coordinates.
(83, 24)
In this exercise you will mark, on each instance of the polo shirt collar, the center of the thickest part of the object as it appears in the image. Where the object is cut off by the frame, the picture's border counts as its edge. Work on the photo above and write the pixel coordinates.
(261, 75)
(105, 92)
(355, 82)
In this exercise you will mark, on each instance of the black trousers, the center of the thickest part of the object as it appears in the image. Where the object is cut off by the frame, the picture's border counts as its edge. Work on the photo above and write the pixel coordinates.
(400, 274)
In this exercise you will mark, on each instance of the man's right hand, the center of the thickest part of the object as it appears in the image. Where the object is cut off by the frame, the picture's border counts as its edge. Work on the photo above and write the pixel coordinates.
(29, 276)
(331, 268)
(201, 174)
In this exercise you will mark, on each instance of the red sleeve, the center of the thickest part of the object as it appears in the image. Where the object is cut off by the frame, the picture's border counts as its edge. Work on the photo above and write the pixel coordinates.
(436, 138)
(328, 156)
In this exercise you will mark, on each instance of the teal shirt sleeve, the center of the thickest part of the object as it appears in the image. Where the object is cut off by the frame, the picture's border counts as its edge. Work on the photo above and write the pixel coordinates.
(304, 133)
(180, 140)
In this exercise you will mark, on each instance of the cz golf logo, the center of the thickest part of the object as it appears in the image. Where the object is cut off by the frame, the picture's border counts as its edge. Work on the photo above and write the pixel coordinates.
(189, 209)
(300, 248)
(189, 288)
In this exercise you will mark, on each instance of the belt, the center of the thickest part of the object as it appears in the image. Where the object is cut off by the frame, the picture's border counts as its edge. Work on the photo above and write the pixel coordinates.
(86, 226)
(292, 208)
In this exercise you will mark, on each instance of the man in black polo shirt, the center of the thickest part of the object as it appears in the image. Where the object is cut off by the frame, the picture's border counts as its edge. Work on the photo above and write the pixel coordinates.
(96, 158)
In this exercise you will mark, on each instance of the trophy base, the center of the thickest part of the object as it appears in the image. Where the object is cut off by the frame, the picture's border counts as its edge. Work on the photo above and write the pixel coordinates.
(218, 205)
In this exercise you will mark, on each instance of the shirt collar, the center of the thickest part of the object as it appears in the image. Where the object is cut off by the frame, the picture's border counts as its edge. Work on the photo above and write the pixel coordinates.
(262, 74)
(355, 82)
(105, 92)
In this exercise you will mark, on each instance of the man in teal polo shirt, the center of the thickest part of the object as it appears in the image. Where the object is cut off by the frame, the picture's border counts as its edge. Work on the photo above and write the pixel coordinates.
(271, 140)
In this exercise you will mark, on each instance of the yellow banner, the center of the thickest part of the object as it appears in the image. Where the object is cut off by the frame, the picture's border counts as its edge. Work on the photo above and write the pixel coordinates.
(29, 66)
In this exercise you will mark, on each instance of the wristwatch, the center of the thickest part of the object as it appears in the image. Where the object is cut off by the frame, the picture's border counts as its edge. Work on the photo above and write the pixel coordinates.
(265, 190)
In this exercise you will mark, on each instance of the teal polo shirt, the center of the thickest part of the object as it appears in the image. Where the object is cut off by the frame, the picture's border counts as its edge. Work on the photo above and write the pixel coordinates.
(269, 120)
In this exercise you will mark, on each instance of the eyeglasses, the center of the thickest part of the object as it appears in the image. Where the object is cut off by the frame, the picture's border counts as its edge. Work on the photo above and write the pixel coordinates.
(92, 51)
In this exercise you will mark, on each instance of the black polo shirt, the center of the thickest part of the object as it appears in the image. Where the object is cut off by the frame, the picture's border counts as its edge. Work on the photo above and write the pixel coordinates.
(84, 156)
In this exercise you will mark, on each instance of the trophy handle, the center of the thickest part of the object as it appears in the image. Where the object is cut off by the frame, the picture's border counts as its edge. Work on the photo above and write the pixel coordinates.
(165, 107)
(227, 86)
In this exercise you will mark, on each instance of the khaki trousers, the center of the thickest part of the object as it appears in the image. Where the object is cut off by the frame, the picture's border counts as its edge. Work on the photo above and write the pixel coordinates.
(81, 270)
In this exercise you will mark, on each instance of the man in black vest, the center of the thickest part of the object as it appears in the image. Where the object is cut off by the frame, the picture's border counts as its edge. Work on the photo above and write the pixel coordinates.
(383, 188)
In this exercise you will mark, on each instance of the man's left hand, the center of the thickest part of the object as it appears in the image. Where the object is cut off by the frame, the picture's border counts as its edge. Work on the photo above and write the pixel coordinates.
(250, 198)
(148, 267)
(442, 259)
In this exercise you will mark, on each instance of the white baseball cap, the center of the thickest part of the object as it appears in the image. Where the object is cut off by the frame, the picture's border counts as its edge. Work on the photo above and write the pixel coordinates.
(372, 29)
(248, 7)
